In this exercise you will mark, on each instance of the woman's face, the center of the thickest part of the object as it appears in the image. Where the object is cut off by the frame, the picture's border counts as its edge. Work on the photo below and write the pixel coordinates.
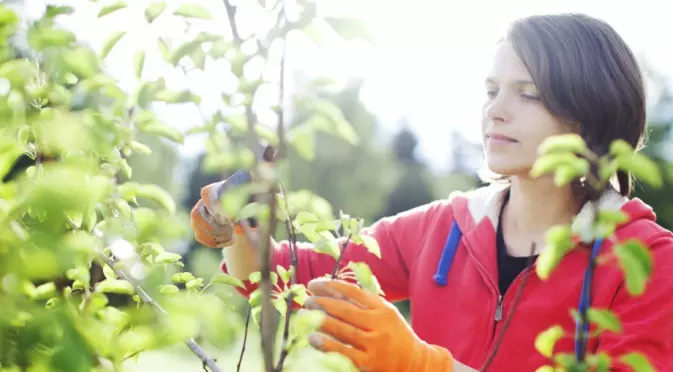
(515, 122)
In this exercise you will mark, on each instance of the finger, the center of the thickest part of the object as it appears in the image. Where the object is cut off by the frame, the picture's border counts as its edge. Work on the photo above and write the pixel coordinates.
(198, 217)
(345, 333)
(328, 345)
(212, 241)
(340, 309)
(209, 193)
(341, 289)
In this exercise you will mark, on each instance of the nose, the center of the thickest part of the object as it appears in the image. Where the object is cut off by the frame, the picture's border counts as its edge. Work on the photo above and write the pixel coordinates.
(497, 109)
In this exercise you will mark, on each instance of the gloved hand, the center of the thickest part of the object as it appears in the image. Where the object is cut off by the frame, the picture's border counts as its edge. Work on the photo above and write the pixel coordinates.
(370, 331)
(211, 226)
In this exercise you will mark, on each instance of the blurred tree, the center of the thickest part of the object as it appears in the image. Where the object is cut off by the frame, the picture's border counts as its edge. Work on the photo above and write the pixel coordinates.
(413, 186)
(658, 147)
(353, 178)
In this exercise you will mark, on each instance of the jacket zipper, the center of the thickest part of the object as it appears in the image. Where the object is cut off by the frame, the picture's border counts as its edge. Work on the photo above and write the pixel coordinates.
(499, 308)
(499, 311)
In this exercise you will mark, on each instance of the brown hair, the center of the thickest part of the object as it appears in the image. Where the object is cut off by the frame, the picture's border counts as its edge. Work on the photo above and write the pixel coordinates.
(586, 74)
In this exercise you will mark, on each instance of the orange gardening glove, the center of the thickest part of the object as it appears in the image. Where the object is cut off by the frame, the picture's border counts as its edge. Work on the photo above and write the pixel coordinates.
(370, 331)
(211, 226)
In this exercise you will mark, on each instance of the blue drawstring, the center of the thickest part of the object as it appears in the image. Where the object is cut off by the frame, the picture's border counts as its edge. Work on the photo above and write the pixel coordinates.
(585, 303)
(449, 252)
(450, 248)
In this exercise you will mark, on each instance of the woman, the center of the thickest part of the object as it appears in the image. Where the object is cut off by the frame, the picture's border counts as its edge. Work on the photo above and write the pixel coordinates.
(461, 261)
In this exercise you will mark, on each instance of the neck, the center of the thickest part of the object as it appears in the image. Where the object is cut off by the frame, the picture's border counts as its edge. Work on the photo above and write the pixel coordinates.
(535, 205)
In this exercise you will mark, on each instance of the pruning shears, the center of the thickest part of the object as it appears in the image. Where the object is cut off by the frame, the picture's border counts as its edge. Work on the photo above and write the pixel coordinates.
(264, 154)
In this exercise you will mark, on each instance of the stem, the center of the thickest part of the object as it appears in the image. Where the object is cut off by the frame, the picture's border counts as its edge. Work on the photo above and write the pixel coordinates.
(335, 271)
(245, 339)
(146, 298)
(583, 317)
(519, 292)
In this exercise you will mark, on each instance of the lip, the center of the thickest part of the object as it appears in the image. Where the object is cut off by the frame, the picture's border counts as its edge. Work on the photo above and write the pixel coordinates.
(500, 138)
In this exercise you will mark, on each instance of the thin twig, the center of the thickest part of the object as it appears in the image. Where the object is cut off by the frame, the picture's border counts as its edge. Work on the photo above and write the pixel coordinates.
(267, 326)
(146, 298)
(292, 237)
(583, 316)
(519, 292)
(245, 339)
(341, 255)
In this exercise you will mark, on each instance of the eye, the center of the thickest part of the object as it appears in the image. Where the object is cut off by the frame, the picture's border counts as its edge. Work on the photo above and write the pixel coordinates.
(530, 97)
(491, 93)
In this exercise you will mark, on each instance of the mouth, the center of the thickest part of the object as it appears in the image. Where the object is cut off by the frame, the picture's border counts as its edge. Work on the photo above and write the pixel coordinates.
(499, 139)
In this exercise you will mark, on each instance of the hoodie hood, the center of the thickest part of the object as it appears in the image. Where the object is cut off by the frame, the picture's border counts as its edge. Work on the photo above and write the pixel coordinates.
(472, 207)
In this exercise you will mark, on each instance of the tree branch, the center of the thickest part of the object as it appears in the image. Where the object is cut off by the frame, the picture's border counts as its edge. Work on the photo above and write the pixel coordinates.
(146, 298)
(245, 339)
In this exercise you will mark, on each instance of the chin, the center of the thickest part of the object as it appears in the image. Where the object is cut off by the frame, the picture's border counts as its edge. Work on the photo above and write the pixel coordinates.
(507, 168)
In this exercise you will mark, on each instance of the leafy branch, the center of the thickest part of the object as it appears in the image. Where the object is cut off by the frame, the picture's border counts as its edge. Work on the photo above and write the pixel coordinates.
(569, 160)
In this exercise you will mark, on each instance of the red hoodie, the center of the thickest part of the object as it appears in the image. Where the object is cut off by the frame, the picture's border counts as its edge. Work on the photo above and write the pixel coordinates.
(457, 305)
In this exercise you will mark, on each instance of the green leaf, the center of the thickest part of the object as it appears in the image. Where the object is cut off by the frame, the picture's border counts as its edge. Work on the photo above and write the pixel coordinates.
(619, 147)
(306, 217)
(168, 289)
(182, 277)
(563, 143)
(636, 263)
(154, 10)
(281, 305)
(349, 29)
(641, 167)
(545, 341)
(110, 43)
(227, 279)
(90, 219)
(327, 246)
(117, 286)
(193, 11)
(167, 258)
(157, 194)
(565, 174)
(608, 216)
(558, 244)
(80, 61)
(255, 298)
(138, 63)
(302, 140)
(164, 131)
(255, 277)
(108, 272)
(183, 50)
(56, 10)
(111, 8)
(284, 274)
(140, 148)
(637, 361)
(45, 291)
(604, 319)
(329, 118)
(366, 278)
(194, 284)
(371, 244)
(164, 50)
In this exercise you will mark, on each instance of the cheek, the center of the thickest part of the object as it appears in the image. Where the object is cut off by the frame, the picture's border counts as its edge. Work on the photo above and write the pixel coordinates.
(543, 127)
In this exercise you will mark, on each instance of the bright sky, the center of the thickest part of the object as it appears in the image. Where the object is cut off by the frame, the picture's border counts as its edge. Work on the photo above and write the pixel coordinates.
(428, 62)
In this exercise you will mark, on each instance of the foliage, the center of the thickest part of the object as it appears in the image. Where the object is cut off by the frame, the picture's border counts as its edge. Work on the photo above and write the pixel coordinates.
(77, 232)
(568, 159)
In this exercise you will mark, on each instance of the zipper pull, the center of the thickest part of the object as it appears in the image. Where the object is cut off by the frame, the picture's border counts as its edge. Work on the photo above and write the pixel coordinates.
(498, 310)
